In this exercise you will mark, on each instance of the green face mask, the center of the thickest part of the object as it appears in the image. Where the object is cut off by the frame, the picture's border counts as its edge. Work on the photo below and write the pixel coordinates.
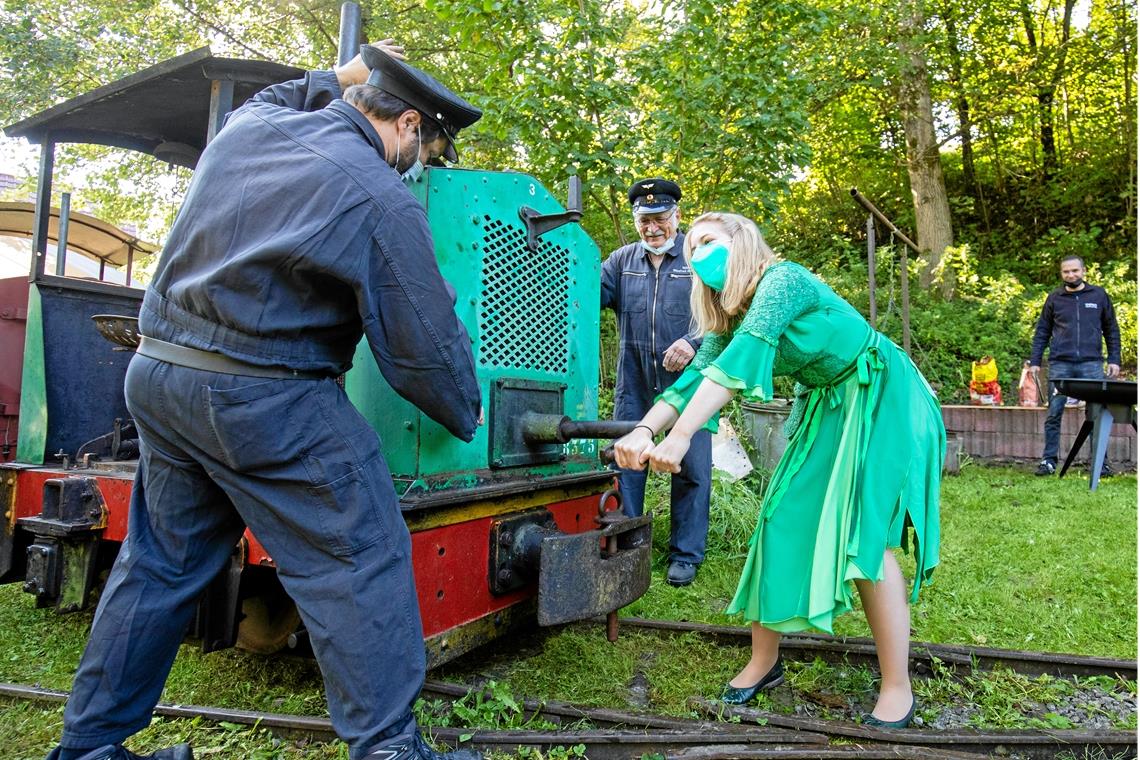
(710, 263)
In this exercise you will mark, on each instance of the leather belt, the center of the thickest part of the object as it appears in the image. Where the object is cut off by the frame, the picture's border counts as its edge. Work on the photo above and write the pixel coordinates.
(211, 361)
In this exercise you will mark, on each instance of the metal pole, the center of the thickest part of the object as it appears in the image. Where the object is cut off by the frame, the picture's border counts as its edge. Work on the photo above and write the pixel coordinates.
(221, 103)
(896, 232)
(871, 267)
(43, 209)
(130, 264)
(882, 218)
(349, 44)
(61, 237)
(574, 194)
(904, 275)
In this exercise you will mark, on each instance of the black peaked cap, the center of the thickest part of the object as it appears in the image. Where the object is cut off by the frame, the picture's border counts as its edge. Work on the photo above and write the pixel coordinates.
(649, 196)
(422, 92)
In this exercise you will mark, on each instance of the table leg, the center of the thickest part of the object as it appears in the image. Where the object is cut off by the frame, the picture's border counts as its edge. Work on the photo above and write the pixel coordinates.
(1102, 428)
(1082, 434)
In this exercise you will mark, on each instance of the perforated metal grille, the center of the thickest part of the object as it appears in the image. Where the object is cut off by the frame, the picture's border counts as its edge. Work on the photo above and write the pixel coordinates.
(524, 320)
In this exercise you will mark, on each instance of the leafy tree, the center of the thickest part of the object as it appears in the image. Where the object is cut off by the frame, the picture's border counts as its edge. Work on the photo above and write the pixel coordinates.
(1026, 108)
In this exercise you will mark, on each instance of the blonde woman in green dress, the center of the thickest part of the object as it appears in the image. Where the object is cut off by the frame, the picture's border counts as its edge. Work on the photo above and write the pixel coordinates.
(863, 463)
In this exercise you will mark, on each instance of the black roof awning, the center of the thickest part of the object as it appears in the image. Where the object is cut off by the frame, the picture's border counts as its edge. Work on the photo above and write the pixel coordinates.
(163, 110)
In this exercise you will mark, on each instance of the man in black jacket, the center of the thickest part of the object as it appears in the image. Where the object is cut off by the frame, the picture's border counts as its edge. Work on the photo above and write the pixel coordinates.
(1077, 316)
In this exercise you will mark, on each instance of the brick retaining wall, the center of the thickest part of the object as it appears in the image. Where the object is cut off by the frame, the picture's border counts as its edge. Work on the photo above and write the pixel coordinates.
(1006, 433)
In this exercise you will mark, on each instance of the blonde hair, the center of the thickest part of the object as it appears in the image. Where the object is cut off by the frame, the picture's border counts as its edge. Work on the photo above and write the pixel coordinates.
(749, 257)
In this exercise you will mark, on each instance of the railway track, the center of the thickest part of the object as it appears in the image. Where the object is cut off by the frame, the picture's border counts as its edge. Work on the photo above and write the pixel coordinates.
(635, 735)
(861, 651)
(1027, 744)
(739, 732)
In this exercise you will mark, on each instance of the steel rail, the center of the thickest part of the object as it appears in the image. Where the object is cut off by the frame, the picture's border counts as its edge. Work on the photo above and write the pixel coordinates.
(782, 736)
(1030, 744)
(922, 654)
(653, 735)
(616, 745)
(844, 752)
(566, 713)
(285, 725)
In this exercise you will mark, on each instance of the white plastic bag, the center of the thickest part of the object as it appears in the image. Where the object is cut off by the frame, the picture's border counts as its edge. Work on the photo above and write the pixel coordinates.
(728, 454)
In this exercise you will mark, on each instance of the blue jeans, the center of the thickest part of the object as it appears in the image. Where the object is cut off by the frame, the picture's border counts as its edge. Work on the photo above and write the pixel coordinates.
(689, 491)
(1091, 370)
(294, 461)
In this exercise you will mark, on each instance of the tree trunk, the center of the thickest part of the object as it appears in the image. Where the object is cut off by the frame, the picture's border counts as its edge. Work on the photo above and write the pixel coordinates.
(1046, 92)
(1045, 119)
(961, 102)
(923, 164)
(1128, 107)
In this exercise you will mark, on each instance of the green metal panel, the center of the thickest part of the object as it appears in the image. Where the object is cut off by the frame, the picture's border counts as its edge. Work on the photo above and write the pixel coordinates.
(531, 316)
(33, 387)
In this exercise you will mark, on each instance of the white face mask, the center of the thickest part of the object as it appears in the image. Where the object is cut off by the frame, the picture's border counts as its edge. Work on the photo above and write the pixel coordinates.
(660, 251)
(413, 172)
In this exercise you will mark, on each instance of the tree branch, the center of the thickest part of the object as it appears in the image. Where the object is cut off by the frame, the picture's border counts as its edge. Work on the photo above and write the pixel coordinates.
(220, 30)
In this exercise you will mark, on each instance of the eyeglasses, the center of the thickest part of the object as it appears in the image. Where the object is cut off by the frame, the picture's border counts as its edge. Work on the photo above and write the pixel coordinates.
(645, 220)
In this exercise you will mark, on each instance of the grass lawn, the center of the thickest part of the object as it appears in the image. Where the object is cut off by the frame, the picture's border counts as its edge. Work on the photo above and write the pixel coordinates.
(1027, 563)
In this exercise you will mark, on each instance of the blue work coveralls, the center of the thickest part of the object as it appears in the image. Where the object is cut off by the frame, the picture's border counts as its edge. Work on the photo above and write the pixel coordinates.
(295, 238)
(652, 307)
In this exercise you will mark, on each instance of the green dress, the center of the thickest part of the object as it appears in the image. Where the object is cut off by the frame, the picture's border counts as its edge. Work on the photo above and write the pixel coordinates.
(864, 455)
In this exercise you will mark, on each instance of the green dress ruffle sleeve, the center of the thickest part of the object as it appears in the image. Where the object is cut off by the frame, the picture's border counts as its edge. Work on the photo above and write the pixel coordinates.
(746, 362)
(681, 392)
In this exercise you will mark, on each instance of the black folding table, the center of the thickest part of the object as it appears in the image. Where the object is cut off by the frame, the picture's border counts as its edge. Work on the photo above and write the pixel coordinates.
(1107, 401)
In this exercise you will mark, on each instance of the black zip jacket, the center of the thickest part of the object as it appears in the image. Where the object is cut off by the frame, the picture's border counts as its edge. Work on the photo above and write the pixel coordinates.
(1073, 323)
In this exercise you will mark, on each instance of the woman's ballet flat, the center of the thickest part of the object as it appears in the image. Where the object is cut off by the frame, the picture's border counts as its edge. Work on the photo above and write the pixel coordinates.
(733, 695)
(870, 720)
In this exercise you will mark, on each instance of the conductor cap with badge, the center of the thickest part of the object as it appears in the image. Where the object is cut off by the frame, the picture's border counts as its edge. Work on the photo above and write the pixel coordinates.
(654, 202)
(425, 94)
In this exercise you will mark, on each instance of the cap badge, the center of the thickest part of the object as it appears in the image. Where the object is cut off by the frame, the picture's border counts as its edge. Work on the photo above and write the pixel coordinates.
(649, 198)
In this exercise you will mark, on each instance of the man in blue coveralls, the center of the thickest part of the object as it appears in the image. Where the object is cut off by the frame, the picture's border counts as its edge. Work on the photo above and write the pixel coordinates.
(296, 237)
(647, 284)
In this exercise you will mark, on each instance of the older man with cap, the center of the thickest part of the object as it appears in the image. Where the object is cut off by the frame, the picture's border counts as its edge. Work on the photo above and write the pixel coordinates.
(647, 284)
(297, 236)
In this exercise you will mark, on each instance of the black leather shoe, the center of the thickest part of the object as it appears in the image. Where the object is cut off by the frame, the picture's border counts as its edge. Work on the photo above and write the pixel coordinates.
(117, 752)
(733, 695)
(904, 722)
(680, 573)
(418, 749)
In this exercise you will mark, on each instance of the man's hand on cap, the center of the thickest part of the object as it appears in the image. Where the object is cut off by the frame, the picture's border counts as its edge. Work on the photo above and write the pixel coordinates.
(355, 72)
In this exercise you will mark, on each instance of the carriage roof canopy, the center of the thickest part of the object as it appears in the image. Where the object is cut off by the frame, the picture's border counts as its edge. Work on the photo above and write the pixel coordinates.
(164, 110)
(86, 234)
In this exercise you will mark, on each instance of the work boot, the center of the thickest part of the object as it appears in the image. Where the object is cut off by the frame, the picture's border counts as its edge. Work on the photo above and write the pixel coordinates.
(680, 573)
(118, 752)
(1047, 467)
(418, 749)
